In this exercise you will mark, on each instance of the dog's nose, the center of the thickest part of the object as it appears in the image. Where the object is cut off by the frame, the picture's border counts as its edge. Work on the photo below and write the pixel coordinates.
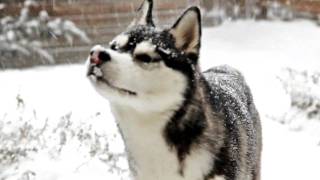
(99, 57)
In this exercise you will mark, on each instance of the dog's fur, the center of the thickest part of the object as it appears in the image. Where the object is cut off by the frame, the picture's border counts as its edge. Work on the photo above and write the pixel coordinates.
(177, 123)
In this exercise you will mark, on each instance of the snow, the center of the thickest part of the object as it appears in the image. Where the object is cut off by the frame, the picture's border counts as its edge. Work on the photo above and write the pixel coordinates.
(259, 49)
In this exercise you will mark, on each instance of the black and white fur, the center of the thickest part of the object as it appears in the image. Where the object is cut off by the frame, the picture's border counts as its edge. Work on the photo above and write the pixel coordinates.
(177, 123)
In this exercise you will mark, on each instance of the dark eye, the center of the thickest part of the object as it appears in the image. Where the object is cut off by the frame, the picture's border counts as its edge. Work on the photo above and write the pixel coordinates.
(114, 46)
(128, 47)
(143, 58)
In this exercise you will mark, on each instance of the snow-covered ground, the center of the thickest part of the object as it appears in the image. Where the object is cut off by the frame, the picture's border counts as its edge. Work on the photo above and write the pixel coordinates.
(61, 100)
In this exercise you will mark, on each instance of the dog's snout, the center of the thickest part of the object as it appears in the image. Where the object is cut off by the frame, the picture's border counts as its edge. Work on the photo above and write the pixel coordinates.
(99, 57)
(104, 56)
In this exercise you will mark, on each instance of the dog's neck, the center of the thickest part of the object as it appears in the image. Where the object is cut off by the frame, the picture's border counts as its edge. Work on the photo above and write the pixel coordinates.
(192, 98)
(192, 101)
(124, 112)
(170, 133)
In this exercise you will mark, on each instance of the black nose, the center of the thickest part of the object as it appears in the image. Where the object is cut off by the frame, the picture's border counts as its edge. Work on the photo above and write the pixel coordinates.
(104, 56)
(99, 57)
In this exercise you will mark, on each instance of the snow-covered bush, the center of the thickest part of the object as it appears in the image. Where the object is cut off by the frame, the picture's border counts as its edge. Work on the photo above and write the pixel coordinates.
(218, 11)
(24, 137)
(23, 36)
(304, 90)
(279, 11)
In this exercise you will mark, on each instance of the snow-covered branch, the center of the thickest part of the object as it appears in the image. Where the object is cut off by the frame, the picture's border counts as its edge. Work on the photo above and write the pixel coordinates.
(23, 36)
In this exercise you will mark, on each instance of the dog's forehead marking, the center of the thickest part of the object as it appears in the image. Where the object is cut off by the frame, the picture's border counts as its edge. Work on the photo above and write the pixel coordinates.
(142, 33)
(120, 40)
(145, 47)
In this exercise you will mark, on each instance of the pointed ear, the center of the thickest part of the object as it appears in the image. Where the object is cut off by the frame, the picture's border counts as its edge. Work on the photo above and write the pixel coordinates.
(187, 31)
(144, 14)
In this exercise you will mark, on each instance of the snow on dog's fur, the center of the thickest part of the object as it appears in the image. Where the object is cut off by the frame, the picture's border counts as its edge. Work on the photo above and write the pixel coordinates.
(177, 123)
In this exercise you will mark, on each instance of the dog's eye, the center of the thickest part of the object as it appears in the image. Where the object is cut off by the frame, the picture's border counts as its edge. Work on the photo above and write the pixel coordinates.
(143, 58)
(128, 47)
(114, 46)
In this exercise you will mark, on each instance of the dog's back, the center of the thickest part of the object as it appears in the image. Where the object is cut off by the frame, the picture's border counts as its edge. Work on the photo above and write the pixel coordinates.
(239, 158)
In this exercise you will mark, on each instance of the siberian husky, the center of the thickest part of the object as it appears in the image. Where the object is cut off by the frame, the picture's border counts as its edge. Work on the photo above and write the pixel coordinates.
(177, 123)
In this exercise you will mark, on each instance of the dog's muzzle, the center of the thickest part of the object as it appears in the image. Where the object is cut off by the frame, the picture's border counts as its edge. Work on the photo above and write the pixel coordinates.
(99, 57)
(96, 59)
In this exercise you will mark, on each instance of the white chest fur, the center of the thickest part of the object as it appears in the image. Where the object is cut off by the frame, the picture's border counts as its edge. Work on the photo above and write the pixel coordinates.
(143, 134)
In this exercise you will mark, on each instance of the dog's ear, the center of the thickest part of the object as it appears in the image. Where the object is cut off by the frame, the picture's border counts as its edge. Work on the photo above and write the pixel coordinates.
(144, 14)
(187, 31)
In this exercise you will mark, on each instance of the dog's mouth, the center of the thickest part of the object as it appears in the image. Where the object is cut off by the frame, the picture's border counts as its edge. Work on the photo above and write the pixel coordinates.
(97, 73)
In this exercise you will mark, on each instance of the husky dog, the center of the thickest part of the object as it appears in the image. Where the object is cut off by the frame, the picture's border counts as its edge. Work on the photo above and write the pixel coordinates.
(177, 123)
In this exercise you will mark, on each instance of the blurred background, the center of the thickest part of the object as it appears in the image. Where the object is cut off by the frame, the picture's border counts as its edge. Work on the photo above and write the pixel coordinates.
(37, 32)
(54, 126)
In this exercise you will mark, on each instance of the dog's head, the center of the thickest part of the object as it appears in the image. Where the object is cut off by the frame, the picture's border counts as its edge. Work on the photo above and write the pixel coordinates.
(145, 67)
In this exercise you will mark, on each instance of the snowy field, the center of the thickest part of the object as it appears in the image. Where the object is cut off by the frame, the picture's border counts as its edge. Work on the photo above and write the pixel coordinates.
(53, 126)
